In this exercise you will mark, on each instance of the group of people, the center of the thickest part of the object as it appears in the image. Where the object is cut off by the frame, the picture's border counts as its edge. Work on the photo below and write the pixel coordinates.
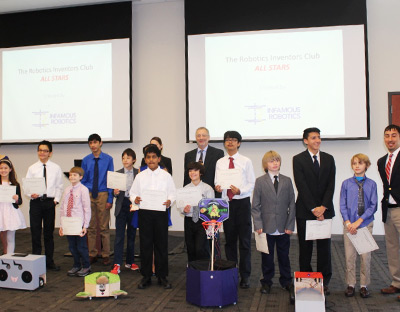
(269, 201)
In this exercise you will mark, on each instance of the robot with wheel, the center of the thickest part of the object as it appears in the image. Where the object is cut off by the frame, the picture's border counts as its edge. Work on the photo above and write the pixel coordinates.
(22, 271)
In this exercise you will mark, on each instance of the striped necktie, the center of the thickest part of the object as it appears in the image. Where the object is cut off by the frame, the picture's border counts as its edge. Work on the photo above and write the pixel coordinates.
(388, 167)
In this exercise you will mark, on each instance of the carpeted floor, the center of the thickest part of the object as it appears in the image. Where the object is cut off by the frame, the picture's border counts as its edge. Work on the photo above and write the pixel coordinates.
(59, 292)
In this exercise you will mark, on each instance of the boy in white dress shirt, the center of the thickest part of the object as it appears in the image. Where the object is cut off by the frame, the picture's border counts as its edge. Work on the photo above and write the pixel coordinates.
(195, 236)
(153, 224)
(42, 206)
(239, 223)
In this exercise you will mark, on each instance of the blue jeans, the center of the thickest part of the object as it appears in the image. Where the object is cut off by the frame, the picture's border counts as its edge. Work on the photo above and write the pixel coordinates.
(79, 249)
(122, 222)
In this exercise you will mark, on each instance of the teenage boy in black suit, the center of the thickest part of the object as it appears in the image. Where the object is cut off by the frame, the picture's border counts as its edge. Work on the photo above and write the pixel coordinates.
(314, 174)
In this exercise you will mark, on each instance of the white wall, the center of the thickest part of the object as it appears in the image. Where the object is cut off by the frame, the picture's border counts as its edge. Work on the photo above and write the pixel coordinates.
(159, 100)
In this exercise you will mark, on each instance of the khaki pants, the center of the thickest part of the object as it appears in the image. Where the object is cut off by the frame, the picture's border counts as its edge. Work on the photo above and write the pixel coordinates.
(392, 230)
(351, 257)
(102, 215)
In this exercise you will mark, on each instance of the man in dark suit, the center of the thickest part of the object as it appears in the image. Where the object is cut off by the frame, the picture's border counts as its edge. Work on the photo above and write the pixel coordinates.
(314, 174)
(389, 170)
(206, 154)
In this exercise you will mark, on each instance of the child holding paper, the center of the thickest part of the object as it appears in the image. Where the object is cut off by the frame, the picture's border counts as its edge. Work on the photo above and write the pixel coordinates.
(273, 210)
(195, 236)
(153, 221)
(11, 218)
(76, 203)
(358, 203)
(124, 217)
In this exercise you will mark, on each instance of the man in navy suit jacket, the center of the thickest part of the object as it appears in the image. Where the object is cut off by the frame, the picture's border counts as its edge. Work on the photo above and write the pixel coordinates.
(210, 156)
(389, 170)
(314, 174)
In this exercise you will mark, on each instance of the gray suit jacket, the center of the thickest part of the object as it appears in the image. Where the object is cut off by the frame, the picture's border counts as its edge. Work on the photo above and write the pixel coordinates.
(272, 210)
(121, 195)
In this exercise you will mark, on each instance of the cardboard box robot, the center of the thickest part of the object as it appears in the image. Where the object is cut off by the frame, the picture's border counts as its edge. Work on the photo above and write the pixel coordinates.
(22, 271)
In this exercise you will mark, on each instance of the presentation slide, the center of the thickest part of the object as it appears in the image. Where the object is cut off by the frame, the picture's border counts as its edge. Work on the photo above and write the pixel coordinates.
(65, 92)
(274, 84)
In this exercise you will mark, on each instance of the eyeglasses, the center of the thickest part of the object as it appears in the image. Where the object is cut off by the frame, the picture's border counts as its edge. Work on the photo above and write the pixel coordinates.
(43, 151)
(231, 140)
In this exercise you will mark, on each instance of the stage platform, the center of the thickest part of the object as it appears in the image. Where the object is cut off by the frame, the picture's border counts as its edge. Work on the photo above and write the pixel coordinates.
(59, 292)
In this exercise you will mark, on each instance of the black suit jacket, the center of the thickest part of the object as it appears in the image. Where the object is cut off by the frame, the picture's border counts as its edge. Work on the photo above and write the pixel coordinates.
(314, 190)
(120, 197)
(389, 189)
(212, 156)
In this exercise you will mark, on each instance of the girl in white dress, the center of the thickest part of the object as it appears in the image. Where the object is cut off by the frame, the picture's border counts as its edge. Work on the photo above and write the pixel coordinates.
(11, 217)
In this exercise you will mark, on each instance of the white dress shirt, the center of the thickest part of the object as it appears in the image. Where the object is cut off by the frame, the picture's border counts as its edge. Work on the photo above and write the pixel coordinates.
(206, 192)
(54, 178)
(159, 180)
(248, 179)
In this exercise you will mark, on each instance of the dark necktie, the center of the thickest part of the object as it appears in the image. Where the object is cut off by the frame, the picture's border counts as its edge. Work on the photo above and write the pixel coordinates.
(316, 164)
(276, 183)
(45, 174)
(201, 157)
(95, 186)
(231, 166)
(361, 204)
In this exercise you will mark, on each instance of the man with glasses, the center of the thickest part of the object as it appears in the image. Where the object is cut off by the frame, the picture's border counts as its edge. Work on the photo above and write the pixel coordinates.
(42, 206)
(239, 223)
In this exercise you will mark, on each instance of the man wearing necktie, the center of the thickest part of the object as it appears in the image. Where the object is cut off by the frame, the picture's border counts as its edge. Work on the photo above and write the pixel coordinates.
(314, 175)
(238, 226)
(96, 166)
(42, 206)
(389, 170)
(205, 154)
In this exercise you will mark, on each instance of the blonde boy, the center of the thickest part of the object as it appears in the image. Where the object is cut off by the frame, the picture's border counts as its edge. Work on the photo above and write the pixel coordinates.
(76, 203)
(358, 203)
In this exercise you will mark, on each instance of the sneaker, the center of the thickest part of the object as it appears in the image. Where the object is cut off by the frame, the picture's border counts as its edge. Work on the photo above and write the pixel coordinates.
(73, 271)
(116, 269)
(132, 266)
(83, 272)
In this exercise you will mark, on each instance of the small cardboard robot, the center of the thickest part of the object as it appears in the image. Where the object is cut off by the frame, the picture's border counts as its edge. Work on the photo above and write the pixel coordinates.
(102, 284)
(22, 271)
(309, 292)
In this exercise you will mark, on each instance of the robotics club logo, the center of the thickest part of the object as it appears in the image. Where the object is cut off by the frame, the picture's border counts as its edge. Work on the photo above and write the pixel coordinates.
(46, 118)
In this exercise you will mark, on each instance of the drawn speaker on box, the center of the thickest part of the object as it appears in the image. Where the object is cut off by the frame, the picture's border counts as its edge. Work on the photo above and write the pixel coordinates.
(22, 271)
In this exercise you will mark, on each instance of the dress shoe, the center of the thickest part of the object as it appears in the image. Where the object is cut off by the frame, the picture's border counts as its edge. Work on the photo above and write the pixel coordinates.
(290, 289)
(106, 261)
(349, 292)
(164, 282)
(53, 267)
(92, 260)
(265, 289)
(327, 292)
(144, 283)
(390, 290)
(364, 293)
(244, 283)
